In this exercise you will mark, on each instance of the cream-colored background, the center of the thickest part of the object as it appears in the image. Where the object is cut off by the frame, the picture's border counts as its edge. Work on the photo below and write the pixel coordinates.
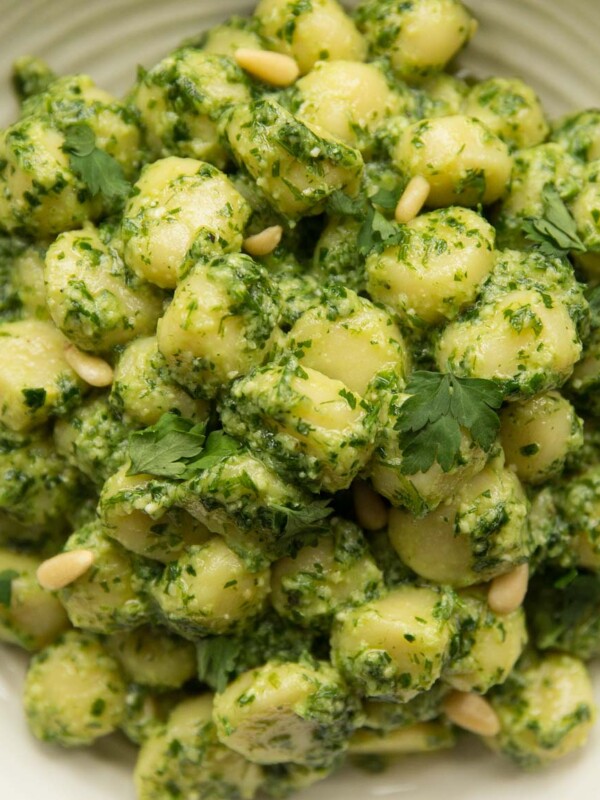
(554, 44)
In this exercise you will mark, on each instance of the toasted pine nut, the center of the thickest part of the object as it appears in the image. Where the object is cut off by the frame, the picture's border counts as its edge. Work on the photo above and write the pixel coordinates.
(273, 68)
(371, 512)
(263, 243)
(91, 369)
(61, 570)
(412, 200)
(472, 712)
(507, 592)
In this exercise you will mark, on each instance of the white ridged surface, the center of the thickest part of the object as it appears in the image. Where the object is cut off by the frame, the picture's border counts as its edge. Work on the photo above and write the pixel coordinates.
(555, 45)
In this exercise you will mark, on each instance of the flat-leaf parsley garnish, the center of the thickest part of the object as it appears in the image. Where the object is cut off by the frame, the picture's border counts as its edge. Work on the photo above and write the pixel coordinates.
(430, 421)
(177, 447)
(100, 172)
(555, 232)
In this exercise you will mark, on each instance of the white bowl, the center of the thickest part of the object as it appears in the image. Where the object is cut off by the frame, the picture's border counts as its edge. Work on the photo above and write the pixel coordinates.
(553, 44)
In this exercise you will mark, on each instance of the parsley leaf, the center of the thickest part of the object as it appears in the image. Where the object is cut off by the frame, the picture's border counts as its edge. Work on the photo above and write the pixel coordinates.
(100, 172)
(218, 446)
(555, 232)
(376, 230)
(167, 448)
(430, 421)
(217, 660)
(6, 578)
(304, 518)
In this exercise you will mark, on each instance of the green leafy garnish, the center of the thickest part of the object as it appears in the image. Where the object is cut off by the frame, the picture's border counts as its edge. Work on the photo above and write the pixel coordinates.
(304, 519)
(218, 446)
(430, 421)
(376, 231)
(7, 576)
(34, 398)
(177, 447)
(555, 232)
(100, 172)
(217, 660)
(167, 448)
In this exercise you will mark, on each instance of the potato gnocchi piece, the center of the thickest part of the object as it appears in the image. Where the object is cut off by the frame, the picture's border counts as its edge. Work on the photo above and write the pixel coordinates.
(219, 325)
(319, 30)
(260, 513)
(41, 194)
(324, 577)
(480, 533)
(38, 488)
(525, 333)
(182, 209)
(419, 38)
(93, 297)
(36, 382)
(225, 39)
(349, 100)
(153, 657)
(295, 166)
(463, 161)
(538, 436)
(579, 133)
(32, 618)
(510, 109)
(533, 170)
(311, 426)
(74, 692)
(104, 599)
(209, 591)
(93, 438)
(438, 268)
(144, 390)
(181, 99)
(299, 713)
(546, 709)
(345, 323)
(395, 647)
(22, 291)
(490, 645)
(185, 756)
(585, 208)
(139, 513)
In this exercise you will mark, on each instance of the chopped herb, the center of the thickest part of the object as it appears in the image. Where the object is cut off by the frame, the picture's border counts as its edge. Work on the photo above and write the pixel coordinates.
(555, 232)
(430, 421)
(376, 231)
(34, 398)
(177, 447)
(100, 172)
(305, 518)
(218, 446)
(167, 448)
(6, 578)
(348, 397)
(217, 660)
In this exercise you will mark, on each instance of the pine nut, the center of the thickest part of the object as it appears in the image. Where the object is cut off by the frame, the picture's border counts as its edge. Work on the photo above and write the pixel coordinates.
(472, 712)
(91, 369)
(412, 200)
(371, 511)
(507, 592)
(263, 243)
(61, 570)
(273, 68)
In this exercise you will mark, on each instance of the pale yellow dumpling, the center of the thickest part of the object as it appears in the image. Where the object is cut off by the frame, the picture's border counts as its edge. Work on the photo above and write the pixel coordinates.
(310, 32)
(463, 161)
(180, 204)
(437, 270)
